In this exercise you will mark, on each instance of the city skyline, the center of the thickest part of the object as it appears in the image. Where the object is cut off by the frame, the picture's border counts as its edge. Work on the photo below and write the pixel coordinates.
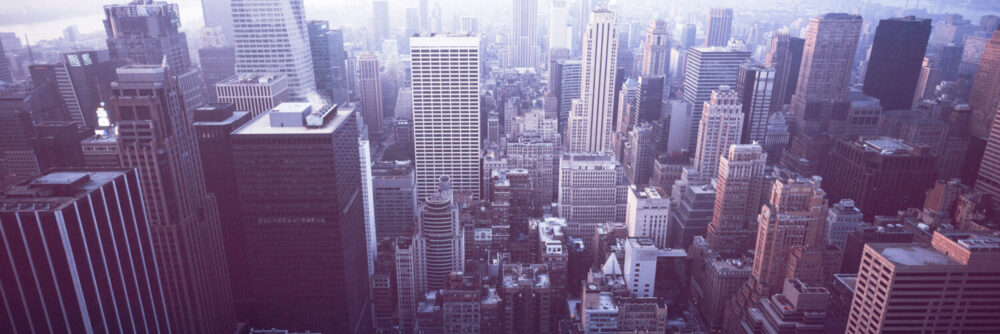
(506, 167)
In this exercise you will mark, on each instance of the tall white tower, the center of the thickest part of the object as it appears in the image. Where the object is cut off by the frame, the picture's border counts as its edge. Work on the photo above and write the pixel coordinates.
(590, 118)
(445, 75)
(523, 44)
(656, 50)
(559, 31)
(271, 37)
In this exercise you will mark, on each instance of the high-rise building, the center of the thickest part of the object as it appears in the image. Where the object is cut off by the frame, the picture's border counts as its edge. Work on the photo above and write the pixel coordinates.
(146, 32)
(822, 94)
(955, 277)
(321, 220)
(527, 294)
(690, 214)
(380, 22)
(755, 85)
(523, 28)
(157, 137)
(895, 59)
(640, 152)
(799, 308)
(656, 50)
(785, 57)
(930, 77)
(738, 197)
(707, 69)
(564, 81)
(218, 62)
(984, 98)
(719, 27)
(720, 126)
(446, 134)
(327, 49)
(213, 124)
(256, 93)
(648, 104)
(540, 158)
(371, 92)
(592, 188)
(559, 29)
(395, 199)
(439, 244)
(289, 55)
(5, 73)
(218, 13)
(640, 267)
(647, 213)
(881, 174)
(842, 219)
(53, 245)
(590, 119)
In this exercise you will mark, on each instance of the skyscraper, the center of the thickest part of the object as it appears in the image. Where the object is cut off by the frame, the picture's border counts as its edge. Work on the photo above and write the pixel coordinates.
(785, 57)
(523, 43)
(559, 29)
(380, 22)
(954, 275)
(371, 92)
(319, 222)
(755, 85)
(719, 27)
(327, 49)
(288, 54)
(219, 13)
(822, 92)
(881, 174)
(590, 118)
(592, 188)
(439, 244)
(895, 59)
(565, 81)
(984, 98)
(218, 62)
(656, 50)
(156, 136)
(61, 226)
(737, 199)
(5, 74)
(213, 124)
(450, 149)
(842, 219)
(640, 266)
(395, 198)
(706, 70)
(146, 32)
(720, 127)
(253, 92)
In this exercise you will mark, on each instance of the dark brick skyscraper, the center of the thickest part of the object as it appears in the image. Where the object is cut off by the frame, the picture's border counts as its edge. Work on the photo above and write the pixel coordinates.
(299, 182)
(895, 60)
(57, 229)
(881, 174)
(156, 136)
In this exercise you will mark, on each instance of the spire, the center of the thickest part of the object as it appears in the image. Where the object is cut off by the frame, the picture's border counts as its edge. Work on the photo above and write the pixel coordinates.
(31, 57)
(611, 266)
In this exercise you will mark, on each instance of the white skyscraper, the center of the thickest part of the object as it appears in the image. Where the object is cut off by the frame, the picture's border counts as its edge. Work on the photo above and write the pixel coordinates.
(590, 118)
(524, 24)
(271, 36)
(640, 267)
(646, 214)
(445, 75)
(721, 125)
(559, 30)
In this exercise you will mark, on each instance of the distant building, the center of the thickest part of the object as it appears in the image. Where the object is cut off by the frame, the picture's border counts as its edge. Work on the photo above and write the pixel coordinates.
(895, 60)
(255, 93)
(647, 213)
(395, 200)
(592, 188)
(719, 27)
(290, 56)
(841, 220)
(755, 85)
(740, 191)
(706, 70)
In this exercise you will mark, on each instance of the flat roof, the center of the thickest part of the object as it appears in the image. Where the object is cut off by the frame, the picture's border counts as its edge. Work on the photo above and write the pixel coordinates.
(912, 255)
(252, 79)
(261, 125)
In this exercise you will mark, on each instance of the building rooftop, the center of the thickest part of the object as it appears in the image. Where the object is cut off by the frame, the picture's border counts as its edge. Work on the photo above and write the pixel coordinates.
(296, 119)
(55, 189)
(912, 255)
(885, 145)
(252, 79)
